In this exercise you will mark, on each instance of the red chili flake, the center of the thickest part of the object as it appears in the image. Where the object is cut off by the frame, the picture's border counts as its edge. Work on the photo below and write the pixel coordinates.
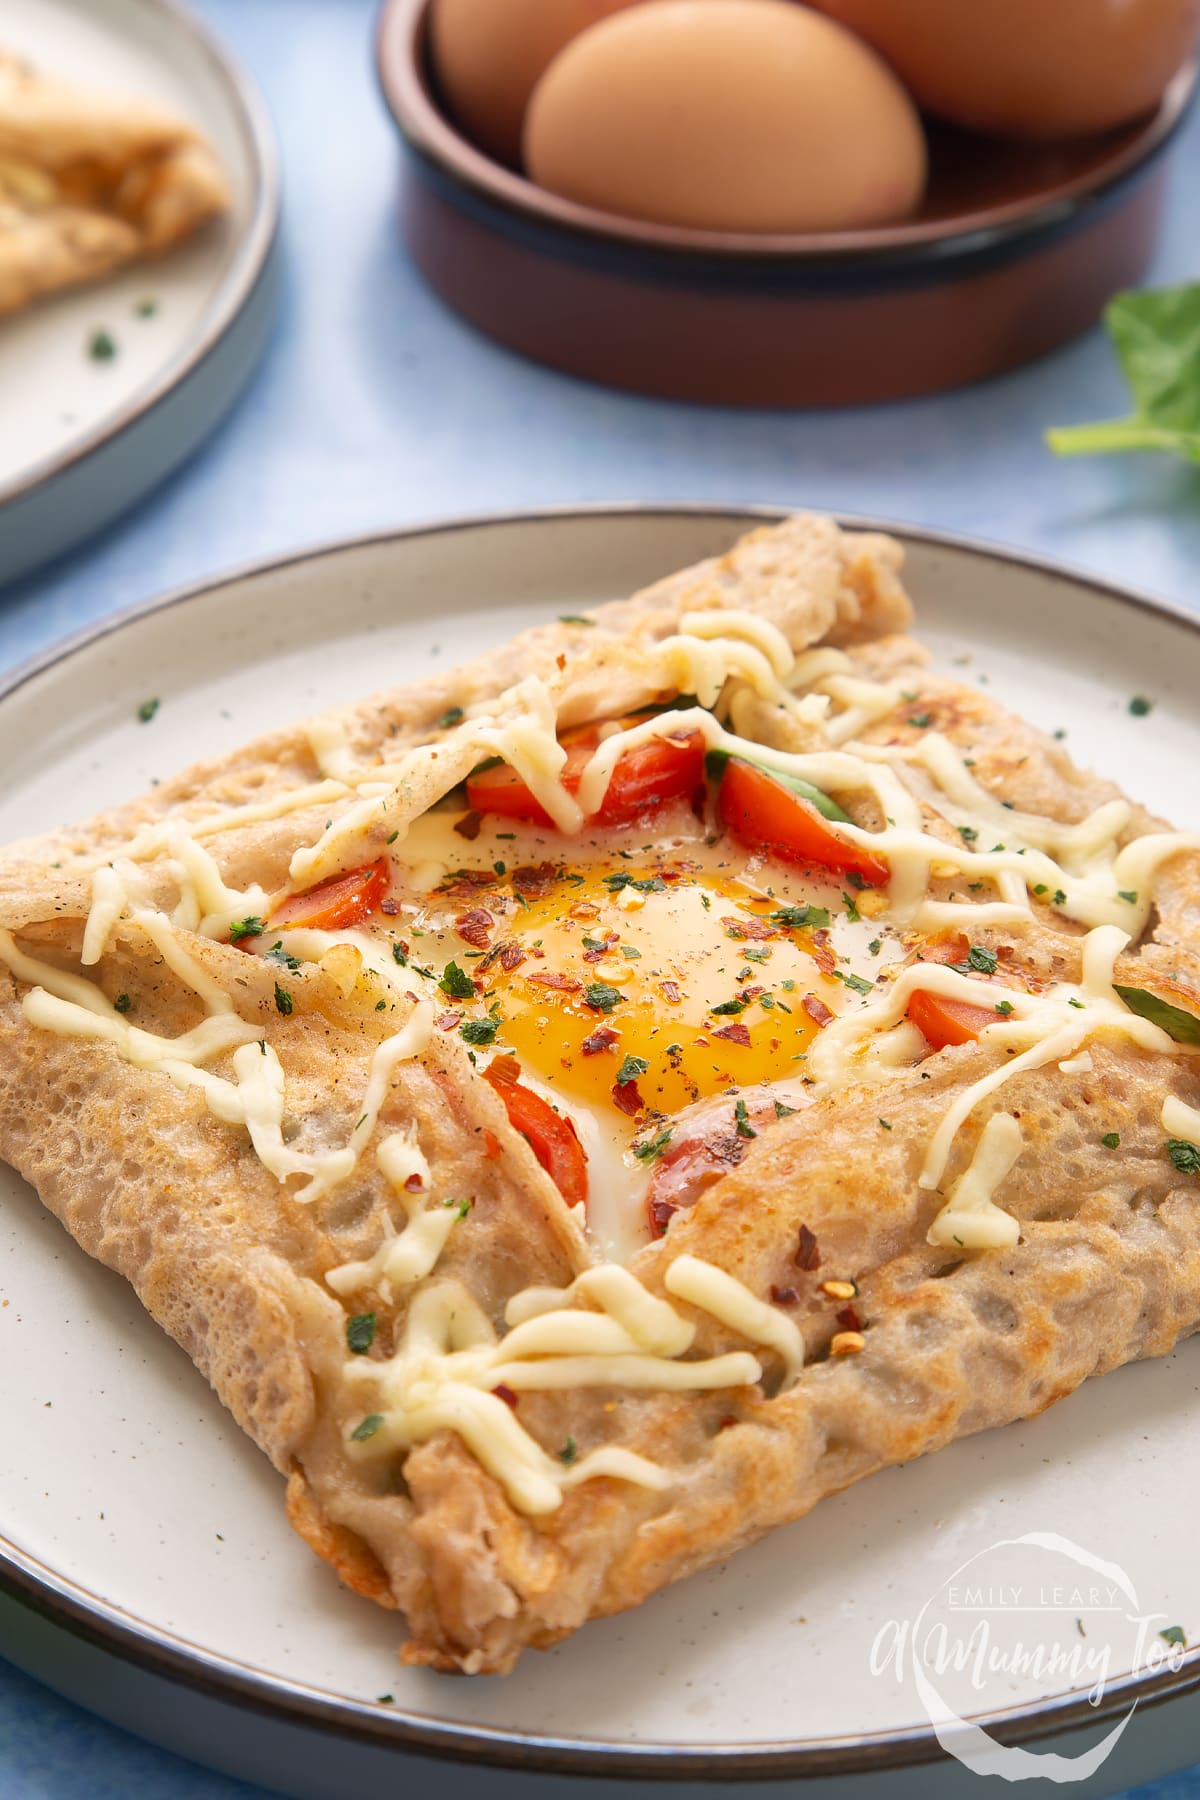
(491, 1146)
(737, 1033)
(822, 952)
(535, 878)
(391, 908)
(603, 1038)
(627, 1099)
(503, 1392)
(610, 938)
(670, 991)
(849, 1320)
(807, 1256)
(816, 1009)
(661, 1214)
(785, 1296)
(447, 1021)
(752, 993)
(415, 1184)
(724, 1423)
(561, 660)
(511, 957)
(469, 826)
(554, 978)
(474, 927)
(748, 928)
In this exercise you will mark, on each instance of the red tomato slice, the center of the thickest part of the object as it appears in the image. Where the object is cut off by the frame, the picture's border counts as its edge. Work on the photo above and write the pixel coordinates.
(551, 1137)
(660, 769)
(769, 816)
(341, 900)
(946, 1021)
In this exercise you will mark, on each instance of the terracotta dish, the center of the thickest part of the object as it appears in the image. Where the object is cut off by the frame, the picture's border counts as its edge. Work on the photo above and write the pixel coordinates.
(1015, 251)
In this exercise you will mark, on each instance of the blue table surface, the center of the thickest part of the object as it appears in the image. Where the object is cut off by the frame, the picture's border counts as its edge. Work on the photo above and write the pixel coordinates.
(375, 407)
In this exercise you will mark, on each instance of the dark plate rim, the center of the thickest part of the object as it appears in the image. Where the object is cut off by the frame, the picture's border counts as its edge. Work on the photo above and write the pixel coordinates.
(65, 1604)
(249, 255)
(489, 184)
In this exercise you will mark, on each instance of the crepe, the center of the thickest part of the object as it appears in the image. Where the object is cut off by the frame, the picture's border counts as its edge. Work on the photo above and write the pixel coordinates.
(91, 181)
(927, 1163)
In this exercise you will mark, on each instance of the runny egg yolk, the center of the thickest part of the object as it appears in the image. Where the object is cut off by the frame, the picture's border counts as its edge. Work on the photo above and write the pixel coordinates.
(650, 987)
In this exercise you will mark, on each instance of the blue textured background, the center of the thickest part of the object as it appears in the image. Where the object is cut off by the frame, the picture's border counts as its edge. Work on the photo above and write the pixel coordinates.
(375, 407)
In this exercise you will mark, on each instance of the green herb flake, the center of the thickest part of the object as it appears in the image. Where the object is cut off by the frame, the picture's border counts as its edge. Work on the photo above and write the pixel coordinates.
(1041, 889)
(1059, 898)
(147, 710)
(146, 309)
(1139, 706)
(101, 346)
(366, 1428)
(757, 953)
(631, 953)
(1128, 895)
(283, 1000)
(455, 983)
(602, 996)
(574, 619)
(794, 918)
(1185, 1156)
(630, 1069)
(122, 1003)
(652, 1148)
(857, 982)
(968, 834)
(852, 912)
(736, 1005)
(741, 1121)
(251, 926)
(886, 1123)
(875, 946)
(360, 1333)
(981, 959)
(569, 1452)
(393, 837)
(921, 720)
(479, 1032)
(451, 716)
(1004, 1007)
(1174, 1634)
(398, 956)
(1111, 1140)
(784, 1112)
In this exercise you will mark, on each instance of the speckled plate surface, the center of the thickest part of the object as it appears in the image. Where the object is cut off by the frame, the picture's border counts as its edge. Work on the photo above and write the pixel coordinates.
(135, 1516)
(81, 438)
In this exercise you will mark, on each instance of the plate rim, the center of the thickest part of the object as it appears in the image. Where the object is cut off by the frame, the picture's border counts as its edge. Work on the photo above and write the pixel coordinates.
(71, 1607)
(250, 256)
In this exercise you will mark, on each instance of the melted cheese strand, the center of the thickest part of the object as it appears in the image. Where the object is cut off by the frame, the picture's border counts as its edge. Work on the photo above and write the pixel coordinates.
(401, 1261)
(727, 1299)
(1179, 1120)
(971, 1218)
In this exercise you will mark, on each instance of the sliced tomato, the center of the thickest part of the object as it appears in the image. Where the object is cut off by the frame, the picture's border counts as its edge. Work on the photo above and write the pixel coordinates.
(340, 901)
(763, 812)
(705, 1145)
(945, 1021)
(666, 768)
(551, 1137)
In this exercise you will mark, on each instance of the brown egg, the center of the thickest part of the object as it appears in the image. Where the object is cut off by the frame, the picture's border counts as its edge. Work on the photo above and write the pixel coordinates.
(732, 115)
(1029, 68)
(488, 55)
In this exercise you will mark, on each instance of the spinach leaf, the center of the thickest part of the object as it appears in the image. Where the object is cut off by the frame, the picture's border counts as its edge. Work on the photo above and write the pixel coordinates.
(1184, 1027)
(1157, 338)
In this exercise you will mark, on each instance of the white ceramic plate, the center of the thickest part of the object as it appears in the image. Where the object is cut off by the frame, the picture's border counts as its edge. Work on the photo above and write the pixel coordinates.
(81, 439)
(134, 1513)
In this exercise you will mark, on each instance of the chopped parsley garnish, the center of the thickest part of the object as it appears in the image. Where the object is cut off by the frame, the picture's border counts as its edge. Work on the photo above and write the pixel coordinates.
(630, 1069)
(791, 918)
(146, 309)
(101, 347)
(979, 959)
(1185, 1156)
(602, 996)
(252, 926)
(1111, 1140)
(1060, 899)
(451, 716)
(574, 619)
(921, 720)
(479, 1032)
(645, 884)
(736, 1005)
(463, 1206)
(283, 1000)
(591, 943)
(1129, 895)
(856, 982)
(1173, 1634)
(1139, 706)
(875, 946)
(630, 953)
(886, 1123)
(741, 1121)
(122, 1003)
(147, 710)
(653, 1148)
(393, 837)
(784, 1112)
(967, 833)
(398, 956)
(283, 958)
(455, 983)
(1071, 1001)
(360, 1333)
(852, 912)
(380, 1005)
(569, 1452)
(366, 1428)
(1004, 1007)
(1040, 889)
